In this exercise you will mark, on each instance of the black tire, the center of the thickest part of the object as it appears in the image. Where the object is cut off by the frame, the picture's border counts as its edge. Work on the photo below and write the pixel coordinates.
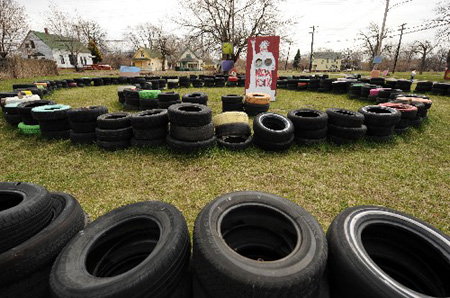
(54, 125)
(147, 143)
(380, 116)
(25, 210)
(168, 97)
(32, 286)
(83, 127)
(272, 146)
(56, 134)
(233, 129)
(232, 99)
(403, 123)
(166, 105)
(416, 122)
(196, 97)
(192, 134)
(190, 114)
(13, 120)
(380, 131)
(311, 134)
(83, 138)
(379, 252)
(113, 135)
(58, 113)
(113, 146)
(24, 110)
(255, 109)
(235, 142)
(140, 250)
(353, 133)
(229, 107)
(42, 248)
(273, 127)
(150, 133)
(236, 233)
(401, 130)
(187, 147)
(308, 119)
(149, 119)
(345, 118)
(86, 114)
(114, 120)
(147, 104)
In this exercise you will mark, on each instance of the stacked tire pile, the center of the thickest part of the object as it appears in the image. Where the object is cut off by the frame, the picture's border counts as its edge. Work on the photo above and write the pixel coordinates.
(172, 83)
(114, 131)
(195, 97)
(345, 126)
(366, 92)
(354, 91)
(53, 121)
(241, 81)
(11, 114)
(310, 126)
(149, 128)
(97, 81)
(121, 92)
(424, 87)
(83, 123)
(422, 105)
(326, 85)
(233, 131)
(219, 82)
(148, 99)
(191, 127)
(256, 103)
(408, 115)
(380, 122)
(185, 82)
(35, 227)
(404, 85)
(166, 99)
(302, 84)
(273, 132)
(340, 87)
(232, 81)
(29, 125)
(209, 82)
(197, 83)
(441, 89)
(232, 102)
(131, 99)
(390, 84)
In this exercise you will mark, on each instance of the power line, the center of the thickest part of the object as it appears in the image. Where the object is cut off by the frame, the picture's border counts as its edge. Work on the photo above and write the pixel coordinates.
(398, 48)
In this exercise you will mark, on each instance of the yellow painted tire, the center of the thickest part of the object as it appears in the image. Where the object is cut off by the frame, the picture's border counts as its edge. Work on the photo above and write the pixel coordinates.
(257, 98)
(230, 117)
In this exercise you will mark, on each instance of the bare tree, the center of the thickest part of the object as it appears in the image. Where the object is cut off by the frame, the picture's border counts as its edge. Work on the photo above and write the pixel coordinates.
(142, 35)
(424, 48)
(214, 22)
(13, 26)
(442, 21)
(91, 30)
(371, 40)
(167, 45)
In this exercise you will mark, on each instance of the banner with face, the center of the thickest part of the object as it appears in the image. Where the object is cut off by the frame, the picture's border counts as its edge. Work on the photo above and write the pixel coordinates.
(262, 65)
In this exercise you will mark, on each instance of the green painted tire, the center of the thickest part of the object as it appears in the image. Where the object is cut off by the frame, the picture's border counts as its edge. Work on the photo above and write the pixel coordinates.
(29, 129)
(149, 94)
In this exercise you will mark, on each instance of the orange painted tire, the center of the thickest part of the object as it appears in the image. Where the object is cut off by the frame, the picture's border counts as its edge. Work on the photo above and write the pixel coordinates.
(257, 98)
(399, 106)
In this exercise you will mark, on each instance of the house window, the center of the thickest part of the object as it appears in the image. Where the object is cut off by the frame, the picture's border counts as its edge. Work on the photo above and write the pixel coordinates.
(188, 56)
(142, 55)
(32, 44)
(62, 59)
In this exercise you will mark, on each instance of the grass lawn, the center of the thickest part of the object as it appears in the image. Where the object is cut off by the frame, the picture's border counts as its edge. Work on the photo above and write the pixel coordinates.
(410, 173)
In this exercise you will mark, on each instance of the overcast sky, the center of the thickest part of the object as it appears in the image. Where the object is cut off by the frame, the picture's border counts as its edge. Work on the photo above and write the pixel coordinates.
(338, 21)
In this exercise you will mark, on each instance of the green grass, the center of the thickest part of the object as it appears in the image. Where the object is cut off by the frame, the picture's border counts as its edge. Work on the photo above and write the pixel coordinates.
(410, 173)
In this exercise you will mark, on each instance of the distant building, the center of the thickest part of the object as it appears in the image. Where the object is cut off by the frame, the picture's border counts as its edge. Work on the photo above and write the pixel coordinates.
(42, 45)
(189, 61)
(326, 61)
(147, 59)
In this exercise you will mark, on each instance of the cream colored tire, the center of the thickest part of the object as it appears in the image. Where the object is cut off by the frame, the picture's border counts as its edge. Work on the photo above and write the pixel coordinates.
(230, 117)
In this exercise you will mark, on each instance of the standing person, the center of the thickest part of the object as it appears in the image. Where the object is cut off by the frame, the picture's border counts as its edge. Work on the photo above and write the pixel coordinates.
(413, 74)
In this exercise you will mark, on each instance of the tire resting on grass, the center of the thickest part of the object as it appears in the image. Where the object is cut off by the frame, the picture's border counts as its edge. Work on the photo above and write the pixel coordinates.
(113, 120)
(380, 131)
(190, 114)
(226, 226)
(113, 146)
(151, 133)
(147, 143)
(272, 146)
(83, 138)
(54, 125)
(112, 135)
(308, 142)
(50, 112)
(192, 134)
(308, 119)
(380, 116)
(86, 114)
(151, 247)
(273, 127)
(56, 134)
(187, 147)
(26, 209)
(345, 118)
(255, 109)
(374, 251)
(232, 99)
(235, 143)
(353, 133)
(83, 127)
(233, 129)
(41, 249)
(149, 119)
(311, 134)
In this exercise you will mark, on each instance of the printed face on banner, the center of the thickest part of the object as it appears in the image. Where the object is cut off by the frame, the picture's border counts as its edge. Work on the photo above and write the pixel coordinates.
(262, 65)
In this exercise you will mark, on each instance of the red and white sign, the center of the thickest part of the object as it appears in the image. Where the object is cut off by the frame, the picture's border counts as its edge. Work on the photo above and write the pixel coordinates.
(262, 65)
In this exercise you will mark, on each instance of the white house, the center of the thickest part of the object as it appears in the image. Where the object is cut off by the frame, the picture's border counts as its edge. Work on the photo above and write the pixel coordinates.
(42, 45)
(189, 60)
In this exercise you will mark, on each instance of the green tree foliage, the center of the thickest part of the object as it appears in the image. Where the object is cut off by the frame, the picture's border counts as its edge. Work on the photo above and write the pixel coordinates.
(297, 58)
(92, 46)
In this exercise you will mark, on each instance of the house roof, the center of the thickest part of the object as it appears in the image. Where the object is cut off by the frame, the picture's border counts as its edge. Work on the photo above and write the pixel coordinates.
(151, 53)
(194, 56)
(56, 42)
(327, 55)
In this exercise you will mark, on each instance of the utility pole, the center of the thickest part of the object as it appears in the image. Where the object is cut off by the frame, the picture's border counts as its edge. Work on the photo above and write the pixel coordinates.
(386, 9)
(287, 58)
(312, 47)
(398, 47)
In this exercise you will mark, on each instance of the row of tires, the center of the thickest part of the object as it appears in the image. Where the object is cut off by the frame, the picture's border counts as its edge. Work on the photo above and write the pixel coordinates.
(245, 244)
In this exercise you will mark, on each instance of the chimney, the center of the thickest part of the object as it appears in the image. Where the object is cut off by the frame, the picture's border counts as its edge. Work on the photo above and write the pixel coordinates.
(46, 30)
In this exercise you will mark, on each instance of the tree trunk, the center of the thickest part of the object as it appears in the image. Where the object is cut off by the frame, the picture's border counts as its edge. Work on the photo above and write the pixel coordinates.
(448, 60)
(422, 64)
(163, 68)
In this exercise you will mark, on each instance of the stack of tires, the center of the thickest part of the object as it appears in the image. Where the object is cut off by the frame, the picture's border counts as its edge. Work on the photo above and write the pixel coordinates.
(313, 85)
(254, 244)
(338, 87)
(166, 99)
(11, 114)
(185, 82)
(404, 85)
(24, 110)
(35, 227)
(121, 92)
(107, 80)
(380, 122)
(155, 84)
(232, 81)
(390, 84)
(209, 82)
(195, 97)
(197, 83)
(80, 82)
(326, 85)
(345, 126)
(310, 126)
(131, 99)
(139, 250)
(96, 81)
(256, 103)
(191, 127)
(366, 92)
(292, 84)
(282, 84)
(232, 102)
(172, 83)
(384, 95)
(377, 81)
(219, 82)
(149, 128)
(114, 131)
(441, 89)
(302, 84)
(354, 91)
(53, 121)
(83, 122)
(422, 105)
(273, 132)
(148, 99)
(408, 114)
(424, 86)
(241, 82)
(232, 130)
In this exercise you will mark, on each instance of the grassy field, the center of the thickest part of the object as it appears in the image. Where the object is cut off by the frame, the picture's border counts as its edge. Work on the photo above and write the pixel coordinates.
(410, 173)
